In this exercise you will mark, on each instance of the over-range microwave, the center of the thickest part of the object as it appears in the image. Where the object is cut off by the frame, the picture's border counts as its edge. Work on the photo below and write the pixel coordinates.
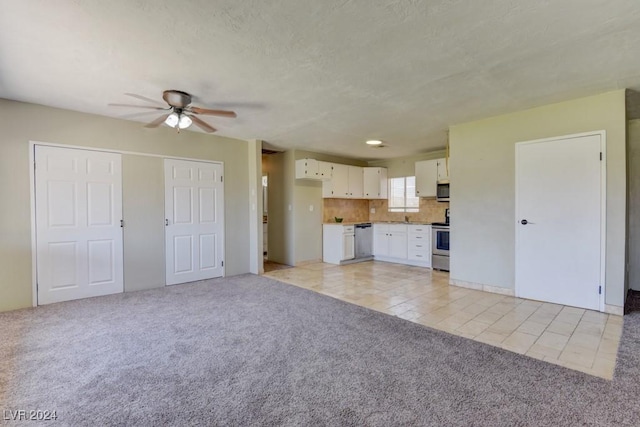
(442, 192)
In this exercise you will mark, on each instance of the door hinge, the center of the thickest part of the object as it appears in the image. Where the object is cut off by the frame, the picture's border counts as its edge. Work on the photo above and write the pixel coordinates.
(222, 263)
(122, 223)
(599, 290)
(601, 156)
(221, 178)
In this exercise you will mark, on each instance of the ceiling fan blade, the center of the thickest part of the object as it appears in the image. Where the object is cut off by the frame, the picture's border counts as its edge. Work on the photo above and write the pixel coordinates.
(157, 122)
(202, 125)
(135, 115)
(223, 113)
(138, 106)
(144, 98)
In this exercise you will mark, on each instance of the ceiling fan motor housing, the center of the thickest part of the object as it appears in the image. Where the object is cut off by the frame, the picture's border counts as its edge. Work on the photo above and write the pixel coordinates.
(176, 98)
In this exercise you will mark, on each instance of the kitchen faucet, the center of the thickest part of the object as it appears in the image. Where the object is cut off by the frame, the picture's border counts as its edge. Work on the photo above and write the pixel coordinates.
(406, 218)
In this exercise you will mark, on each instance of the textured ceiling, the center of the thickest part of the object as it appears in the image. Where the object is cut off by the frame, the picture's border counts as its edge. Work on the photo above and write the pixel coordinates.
(321, 75)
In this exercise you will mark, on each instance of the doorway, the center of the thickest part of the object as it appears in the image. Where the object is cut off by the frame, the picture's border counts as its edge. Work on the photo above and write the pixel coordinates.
(194, 221)
(560, 220)
(78, 218)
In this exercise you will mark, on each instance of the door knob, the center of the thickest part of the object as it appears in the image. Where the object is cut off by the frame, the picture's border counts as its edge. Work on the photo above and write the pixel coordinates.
(524, 222)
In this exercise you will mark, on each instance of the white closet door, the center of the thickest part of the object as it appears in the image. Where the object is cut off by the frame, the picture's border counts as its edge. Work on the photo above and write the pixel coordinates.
(559, 185)
(194, 221)
(78, 223)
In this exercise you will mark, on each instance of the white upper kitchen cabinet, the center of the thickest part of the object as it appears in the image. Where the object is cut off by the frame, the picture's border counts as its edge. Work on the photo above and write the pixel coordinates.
(356, 182)
(375, 183)
(338, 186)
(313, 169)
(426, 178)
(347, 182)
(443, 170)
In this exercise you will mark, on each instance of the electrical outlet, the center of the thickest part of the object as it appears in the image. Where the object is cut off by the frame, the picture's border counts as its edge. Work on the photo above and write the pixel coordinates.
(310, 208)
(372, 210)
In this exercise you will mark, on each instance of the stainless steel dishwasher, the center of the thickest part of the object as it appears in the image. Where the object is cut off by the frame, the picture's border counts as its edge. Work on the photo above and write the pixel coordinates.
(364, 241)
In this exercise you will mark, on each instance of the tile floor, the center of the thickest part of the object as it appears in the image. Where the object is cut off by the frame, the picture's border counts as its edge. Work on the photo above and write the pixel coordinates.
(572, 337)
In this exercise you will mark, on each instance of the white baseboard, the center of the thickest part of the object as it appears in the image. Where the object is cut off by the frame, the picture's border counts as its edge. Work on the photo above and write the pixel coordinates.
(614, 309)
(481, 287)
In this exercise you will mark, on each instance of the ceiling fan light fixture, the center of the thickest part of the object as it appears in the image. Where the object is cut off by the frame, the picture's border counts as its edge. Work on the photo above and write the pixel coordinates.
(184, 122)
(172, 120)
(179, 120)
(374, 142)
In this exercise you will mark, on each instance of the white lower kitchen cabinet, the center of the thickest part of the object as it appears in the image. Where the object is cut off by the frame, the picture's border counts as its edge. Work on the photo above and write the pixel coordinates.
(419, 244)
(402, 243)
(338, 243)
(390, 241)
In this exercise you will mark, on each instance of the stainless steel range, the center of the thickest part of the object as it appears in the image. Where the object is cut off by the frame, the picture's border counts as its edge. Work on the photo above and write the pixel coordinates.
(440, 245)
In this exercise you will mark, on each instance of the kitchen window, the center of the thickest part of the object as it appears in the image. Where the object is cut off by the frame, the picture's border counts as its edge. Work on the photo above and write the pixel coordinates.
(402, 194)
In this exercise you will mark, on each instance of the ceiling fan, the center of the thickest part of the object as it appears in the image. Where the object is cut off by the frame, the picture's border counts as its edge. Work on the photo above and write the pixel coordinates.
(180, 114)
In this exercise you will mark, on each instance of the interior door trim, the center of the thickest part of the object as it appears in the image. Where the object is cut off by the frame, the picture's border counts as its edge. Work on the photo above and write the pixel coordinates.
(603, 206)
(133, 153)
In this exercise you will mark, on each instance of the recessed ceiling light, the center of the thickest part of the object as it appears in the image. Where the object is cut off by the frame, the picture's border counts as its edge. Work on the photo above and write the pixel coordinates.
(374, 142)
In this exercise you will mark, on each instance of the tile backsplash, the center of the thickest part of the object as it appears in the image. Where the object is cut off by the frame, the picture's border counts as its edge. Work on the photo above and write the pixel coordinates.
(351, 210)
(430, 211)
(355, 210)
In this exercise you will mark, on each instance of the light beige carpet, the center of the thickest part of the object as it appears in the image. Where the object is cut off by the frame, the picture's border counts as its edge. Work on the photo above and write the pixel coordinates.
(248, 350)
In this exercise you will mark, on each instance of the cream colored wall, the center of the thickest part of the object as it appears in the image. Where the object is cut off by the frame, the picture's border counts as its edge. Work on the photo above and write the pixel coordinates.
(22, 122)
(254, 164)
(143, 208)
(482, 167)
(633, 162)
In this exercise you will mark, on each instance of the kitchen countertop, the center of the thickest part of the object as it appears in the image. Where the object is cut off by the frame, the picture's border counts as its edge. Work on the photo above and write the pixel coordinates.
(376, 222)
(344, 223)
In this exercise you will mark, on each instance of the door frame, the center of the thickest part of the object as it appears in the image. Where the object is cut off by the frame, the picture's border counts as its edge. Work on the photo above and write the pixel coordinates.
(32, 198)
(603, 207)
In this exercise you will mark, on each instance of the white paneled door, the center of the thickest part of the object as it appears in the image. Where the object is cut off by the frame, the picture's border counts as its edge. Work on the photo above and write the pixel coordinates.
(560, 221)
(194, 221)
(78, 195)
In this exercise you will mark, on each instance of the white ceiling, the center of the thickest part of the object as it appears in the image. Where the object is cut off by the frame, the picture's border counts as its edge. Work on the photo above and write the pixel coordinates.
(321, 75)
